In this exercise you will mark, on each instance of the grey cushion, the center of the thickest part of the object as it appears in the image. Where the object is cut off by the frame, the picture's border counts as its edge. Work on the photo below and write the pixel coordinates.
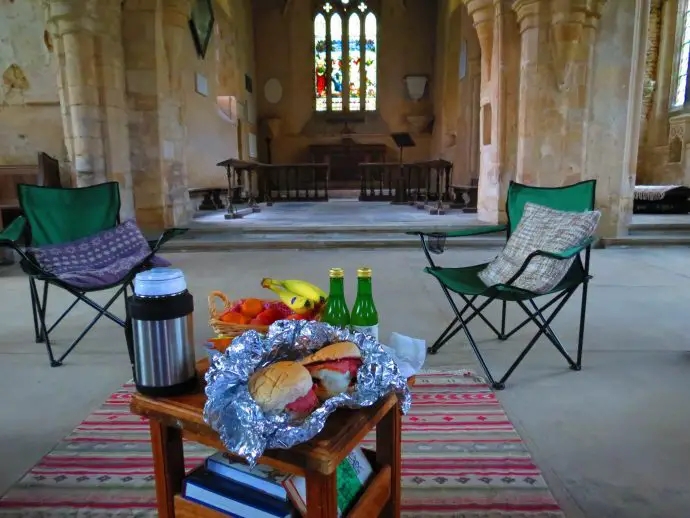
(540, 228)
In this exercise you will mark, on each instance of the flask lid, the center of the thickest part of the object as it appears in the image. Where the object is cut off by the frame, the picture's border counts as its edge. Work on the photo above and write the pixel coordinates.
(159, 282)
(364, 272)
(336, 273)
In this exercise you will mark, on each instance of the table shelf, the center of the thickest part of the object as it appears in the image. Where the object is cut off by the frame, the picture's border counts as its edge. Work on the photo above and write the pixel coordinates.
(368, 505)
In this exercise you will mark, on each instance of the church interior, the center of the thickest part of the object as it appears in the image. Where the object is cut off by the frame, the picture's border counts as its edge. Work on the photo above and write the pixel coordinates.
(291, 136)
(303, 99)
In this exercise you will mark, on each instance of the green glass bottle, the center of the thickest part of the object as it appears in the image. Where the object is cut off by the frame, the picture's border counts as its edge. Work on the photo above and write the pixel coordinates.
(336, 312)
(365, 318)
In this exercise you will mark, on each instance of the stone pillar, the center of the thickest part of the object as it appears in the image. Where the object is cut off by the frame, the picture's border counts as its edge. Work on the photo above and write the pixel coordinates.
(656, 142)
(557, 41)
(74, 27)
(92, 92)
(498, 37)
(615, 106)
(153, 33)
(175, 32)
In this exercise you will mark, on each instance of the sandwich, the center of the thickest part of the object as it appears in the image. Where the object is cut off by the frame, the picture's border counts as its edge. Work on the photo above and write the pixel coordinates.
(334, 368)
(284, 386)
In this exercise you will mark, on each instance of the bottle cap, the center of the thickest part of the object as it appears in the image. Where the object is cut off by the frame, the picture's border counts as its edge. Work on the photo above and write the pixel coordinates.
(364, 272)
(159, 282)
(336, 273)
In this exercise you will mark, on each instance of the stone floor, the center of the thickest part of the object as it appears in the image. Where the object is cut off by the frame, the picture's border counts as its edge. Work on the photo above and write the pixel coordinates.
(339, 213)
(612, 440)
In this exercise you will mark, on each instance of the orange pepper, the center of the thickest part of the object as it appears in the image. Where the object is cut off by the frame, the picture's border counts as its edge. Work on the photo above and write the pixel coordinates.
(251, 307)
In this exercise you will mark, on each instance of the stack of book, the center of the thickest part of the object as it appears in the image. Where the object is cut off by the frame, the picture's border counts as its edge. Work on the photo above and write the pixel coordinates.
(235, 489)
(265, 492)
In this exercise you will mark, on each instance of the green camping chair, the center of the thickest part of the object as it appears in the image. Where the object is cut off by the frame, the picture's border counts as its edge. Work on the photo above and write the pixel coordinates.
(52, 216)
(466, 283)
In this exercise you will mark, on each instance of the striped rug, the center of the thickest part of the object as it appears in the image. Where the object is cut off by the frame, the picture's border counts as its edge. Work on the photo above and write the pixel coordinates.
(462, 458)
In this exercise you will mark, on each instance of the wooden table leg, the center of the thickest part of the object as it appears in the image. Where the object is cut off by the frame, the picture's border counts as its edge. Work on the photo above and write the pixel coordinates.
(322, 496)
(168, 460)
(388, 437)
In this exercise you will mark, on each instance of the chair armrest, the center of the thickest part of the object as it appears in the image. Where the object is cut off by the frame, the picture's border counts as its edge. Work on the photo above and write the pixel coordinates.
(570, 252)
(14, 231)
(473, 231)
(167, 235)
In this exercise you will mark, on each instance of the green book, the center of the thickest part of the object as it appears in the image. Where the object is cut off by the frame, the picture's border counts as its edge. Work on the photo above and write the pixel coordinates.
(351, 475)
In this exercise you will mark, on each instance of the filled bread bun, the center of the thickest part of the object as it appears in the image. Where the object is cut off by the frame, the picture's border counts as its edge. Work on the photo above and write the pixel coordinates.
(334, 368)
(284, 386)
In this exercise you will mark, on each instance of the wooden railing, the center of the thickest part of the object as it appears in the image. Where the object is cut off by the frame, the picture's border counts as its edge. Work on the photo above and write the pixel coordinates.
(293, 182)
(415, 182)
(379, 180)
(252, 182)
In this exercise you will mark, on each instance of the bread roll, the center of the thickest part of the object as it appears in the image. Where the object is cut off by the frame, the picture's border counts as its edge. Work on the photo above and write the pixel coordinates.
(279, 384)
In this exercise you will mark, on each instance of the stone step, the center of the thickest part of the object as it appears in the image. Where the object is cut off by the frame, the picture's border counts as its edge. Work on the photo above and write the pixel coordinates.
(194, 241)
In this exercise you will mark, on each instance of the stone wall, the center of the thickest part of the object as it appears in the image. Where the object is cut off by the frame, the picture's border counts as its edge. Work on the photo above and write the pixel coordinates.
(210, 135)
(177, 130)
(284, 51)
(30, 118)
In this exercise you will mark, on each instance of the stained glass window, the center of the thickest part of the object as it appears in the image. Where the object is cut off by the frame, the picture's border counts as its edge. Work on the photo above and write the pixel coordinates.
(345, 48)
(684, 54)
(370, 61)
(320, 61)
(355, 62)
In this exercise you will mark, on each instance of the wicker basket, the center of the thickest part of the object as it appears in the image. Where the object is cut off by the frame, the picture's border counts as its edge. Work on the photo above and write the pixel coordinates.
(225, 328)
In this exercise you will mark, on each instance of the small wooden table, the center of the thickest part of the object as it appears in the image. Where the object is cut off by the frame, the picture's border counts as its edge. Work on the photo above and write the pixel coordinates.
(173, 418)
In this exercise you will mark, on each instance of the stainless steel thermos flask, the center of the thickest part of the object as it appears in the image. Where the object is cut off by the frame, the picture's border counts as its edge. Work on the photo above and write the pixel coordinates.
(160, 333)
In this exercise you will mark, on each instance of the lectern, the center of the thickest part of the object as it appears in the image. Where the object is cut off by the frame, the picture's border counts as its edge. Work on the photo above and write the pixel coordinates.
(402, 140)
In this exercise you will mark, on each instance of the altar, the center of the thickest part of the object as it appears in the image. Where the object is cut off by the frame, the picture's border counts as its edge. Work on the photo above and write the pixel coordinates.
(344, 159)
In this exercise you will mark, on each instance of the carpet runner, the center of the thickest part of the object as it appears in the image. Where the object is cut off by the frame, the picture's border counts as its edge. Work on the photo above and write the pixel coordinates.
(462, 458)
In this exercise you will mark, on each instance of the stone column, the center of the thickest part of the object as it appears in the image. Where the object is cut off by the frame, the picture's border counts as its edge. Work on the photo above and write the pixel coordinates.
(74, 26)
(497, 33)
(175, 32)
(615, 106)
(110, 68)
(153, 35)
(557, 41)
(91, 88)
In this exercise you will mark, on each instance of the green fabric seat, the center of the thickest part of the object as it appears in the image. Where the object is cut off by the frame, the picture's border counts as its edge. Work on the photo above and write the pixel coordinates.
(466, 280)
(465, 283)
(54, 216)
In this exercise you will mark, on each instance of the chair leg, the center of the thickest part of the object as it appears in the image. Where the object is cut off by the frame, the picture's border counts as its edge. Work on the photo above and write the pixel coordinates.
(41, 313)
(101, 312)
(470, 338)
(540, 321)
(446, 336)
(502, 335)
(542, 329)
(32, 292)
(581, 334)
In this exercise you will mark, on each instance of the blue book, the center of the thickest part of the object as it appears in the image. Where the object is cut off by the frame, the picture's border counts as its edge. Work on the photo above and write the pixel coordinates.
(261, 477)
(211, 490)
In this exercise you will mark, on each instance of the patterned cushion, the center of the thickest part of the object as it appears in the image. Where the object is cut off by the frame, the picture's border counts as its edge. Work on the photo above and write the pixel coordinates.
(99, 260)
(540, 228)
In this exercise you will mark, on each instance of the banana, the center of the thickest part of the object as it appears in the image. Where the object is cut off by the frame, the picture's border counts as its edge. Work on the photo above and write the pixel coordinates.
(306, 289)
(296, 303)
(302, 288)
